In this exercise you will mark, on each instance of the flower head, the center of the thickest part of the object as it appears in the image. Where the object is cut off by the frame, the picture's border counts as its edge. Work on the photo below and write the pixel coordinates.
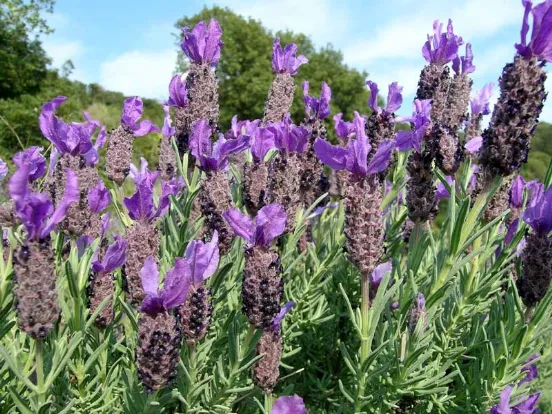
(202, 44)
(394, 98)
(289, 405)
(214, 157)
(269, 223)
(420, 120)
(480, 102)
(178, 96)
(114, 257)
(285, 61)
(540, 44)
(314, 107)
(36, 210)
(464, 65)
(441, 48)
(73, 138)
(538, 214)
(289, 137)
(133, 108)
(141, 205)
(33, 157)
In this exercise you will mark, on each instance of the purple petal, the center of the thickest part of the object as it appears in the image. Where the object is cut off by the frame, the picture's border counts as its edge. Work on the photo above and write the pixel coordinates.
(115, 256)
(474, 144)
(150, 276)
(277, 321)
(380, 160)
(132, 111)
(70, 196)
(535, 189)
(54, 129)
(480, 102)
(106, 218)
(531, 370)
(168, 188)
(373, 101)
(178, 96)
(99, 197)
(441, 191)
(269, 224)
(152, 304)
(285, 61)
(177, 284)
(200, 141)
(528, 406)
(54, 155)
(539, 213)
(167, 130)
(241, 224)
(332, 155)
(144, 128)
(140, 205)
(516, 192)
(289, 405)
(262, 141)
(503, 406)
(394, 98)
(33, 157)
(203, 258)
(202, 44)
(379, 272)
(3, 169)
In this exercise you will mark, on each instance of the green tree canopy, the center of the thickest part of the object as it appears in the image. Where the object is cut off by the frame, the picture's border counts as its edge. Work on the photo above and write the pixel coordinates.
(245, 71)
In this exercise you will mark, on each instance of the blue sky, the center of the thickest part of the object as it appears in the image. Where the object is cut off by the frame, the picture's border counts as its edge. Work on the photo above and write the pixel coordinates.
(129, 46)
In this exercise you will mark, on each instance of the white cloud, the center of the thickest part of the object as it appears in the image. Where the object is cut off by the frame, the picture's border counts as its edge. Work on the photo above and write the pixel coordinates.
(404, 35)
(140, 72)
(62, 50)
(323, 20)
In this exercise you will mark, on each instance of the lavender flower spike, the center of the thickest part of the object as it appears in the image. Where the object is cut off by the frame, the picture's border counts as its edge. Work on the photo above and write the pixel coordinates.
(34, 261)
(159, 334)
(195, 314)
(202, 44)
(285, 61)
(537, 256)
(540, 45)
(289, 405)
(262, 282)
(317, 108)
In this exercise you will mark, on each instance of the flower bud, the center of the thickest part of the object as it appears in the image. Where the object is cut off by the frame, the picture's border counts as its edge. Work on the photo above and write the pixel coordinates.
(196, 313)
(280, 98)
(118, 156)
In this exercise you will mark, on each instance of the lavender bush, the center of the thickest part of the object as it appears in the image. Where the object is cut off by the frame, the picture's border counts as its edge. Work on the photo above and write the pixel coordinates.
(286, 267)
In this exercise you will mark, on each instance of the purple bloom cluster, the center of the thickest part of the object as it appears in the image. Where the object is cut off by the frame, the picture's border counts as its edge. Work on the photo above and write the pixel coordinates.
(317, 108)
(286, 60)
(202, 44)
(71, 138)
(464, 64)
(269, 223)
(178, 96)
(441, 48)
(394, 98)
(420, 121)
(133, 108)
(540, 44)
(527, 406)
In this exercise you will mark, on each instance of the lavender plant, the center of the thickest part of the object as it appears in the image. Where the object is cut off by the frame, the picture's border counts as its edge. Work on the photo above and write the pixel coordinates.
(140, 299)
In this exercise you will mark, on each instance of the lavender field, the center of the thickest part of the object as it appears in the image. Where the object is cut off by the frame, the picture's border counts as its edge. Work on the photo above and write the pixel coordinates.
(308, 261)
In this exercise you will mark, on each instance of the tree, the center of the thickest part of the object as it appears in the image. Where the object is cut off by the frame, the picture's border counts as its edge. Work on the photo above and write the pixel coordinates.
(245, 71)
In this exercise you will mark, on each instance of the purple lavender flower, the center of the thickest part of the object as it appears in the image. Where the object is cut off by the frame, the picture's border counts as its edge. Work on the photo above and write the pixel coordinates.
(285, 61)
(202, 44)
(289, 405)
(442, 191)
(441, 48)
(464, 65)
(99, 197)
(480, 102)
(178, 96)
(133, 108)
(516, 192)
(420, 121)
(35, 210)
(34, 158)
(530, 369)
(379, 273)
(540, 45)
(214, 157)
(262, 141)
(535, 189)
(74, 138)
(167, 130)
(474, 144)
(269, 223)
(394, 98)
(289, 137)
(539, 213)
(240, 128)
(527, 406)
(114, 257)
(317, 108)
(277, 321)
(343, 129)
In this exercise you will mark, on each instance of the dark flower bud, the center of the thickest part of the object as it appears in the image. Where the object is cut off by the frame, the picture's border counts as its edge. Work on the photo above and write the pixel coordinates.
(37, 306)
(420, 194)
(267, 370)
(254, 186)
(446, 148)
(195, 314)
(280, 98)
(158, 352)
(434, 84)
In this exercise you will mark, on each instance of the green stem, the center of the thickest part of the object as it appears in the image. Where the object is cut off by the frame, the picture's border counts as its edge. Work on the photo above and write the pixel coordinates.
(268, 403)
(39, 361)
(364, 343)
